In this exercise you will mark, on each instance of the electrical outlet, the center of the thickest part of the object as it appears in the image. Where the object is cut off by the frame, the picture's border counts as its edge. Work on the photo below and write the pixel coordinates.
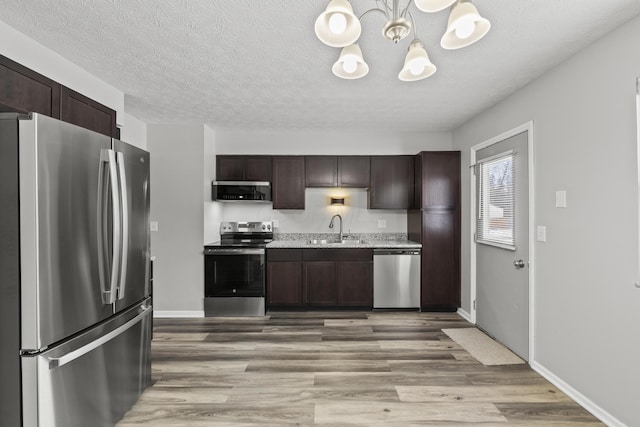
(153, 226)
(561, 199)
(382, 223)
(541, 233)
(276, 223)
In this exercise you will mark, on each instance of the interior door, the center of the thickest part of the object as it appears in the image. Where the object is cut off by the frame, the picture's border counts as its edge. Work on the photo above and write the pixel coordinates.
(136, 176)
(502, 274)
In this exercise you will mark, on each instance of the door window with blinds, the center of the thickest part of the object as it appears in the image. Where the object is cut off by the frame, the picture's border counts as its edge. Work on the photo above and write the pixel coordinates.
(495, 210)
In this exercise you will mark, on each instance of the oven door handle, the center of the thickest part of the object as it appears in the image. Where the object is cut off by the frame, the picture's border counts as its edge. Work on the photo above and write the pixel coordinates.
(234, 251)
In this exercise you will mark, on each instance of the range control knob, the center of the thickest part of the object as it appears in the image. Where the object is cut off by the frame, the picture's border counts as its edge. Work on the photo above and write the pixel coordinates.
(264, 227)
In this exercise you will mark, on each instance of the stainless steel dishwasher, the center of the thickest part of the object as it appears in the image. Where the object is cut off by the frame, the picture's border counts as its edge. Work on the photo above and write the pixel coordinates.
(396, 278)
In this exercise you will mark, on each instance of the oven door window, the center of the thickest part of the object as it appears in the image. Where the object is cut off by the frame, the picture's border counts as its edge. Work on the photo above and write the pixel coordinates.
(234, 275)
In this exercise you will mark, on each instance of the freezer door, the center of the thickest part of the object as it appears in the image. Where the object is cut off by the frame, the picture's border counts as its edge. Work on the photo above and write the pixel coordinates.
(60, 168)
(134, 176)
(93, 379)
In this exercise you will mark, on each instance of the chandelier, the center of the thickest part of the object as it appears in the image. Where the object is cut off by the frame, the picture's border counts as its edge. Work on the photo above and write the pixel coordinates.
(337, 26)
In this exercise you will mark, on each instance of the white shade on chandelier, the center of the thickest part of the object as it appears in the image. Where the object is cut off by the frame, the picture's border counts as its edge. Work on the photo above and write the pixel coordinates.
(465, 27)
(338, 26)
(350, 65)
(433, 5)
(417, 65)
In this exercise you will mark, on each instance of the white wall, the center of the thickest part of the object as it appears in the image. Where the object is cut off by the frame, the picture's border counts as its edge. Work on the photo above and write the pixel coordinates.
(587, 309)
(177, 170)
(212, 210)
(134, 132)
(346, 142)
(26, 51)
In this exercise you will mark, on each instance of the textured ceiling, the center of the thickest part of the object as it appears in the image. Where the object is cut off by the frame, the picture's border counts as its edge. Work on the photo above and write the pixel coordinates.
(258, 63)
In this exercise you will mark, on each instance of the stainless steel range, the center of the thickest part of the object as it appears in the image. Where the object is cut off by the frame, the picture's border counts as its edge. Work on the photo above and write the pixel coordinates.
(234, 270)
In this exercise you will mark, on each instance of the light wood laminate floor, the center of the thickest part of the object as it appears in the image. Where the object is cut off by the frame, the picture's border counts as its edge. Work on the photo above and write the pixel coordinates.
(337, 369)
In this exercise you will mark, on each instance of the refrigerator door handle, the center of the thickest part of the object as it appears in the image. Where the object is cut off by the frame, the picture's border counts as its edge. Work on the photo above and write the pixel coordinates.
(102, 226)
(124, 253)
(117, 226)
(55, 362)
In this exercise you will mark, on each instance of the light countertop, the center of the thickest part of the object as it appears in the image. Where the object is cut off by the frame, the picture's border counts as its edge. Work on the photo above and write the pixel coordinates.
(363, 244)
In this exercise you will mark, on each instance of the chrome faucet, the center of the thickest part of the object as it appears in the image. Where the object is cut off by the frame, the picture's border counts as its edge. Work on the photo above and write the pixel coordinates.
(331, 224)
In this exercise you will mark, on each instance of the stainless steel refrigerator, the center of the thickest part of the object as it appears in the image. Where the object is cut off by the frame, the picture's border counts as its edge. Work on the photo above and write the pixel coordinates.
(75, 306)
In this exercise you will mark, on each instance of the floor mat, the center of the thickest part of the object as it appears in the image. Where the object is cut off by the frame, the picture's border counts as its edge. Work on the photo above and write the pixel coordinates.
(485, 349)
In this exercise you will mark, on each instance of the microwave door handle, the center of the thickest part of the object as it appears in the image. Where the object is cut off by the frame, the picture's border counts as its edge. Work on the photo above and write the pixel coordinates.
(124, 253)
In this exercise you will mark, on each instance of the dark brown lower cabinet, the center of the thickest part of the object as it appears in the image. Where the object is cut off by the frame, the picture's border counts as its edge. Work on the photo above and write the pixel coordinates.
(284, 277)
(440, 261)
(338, 277)
(319, 283)
(355, 283)
(320, 278)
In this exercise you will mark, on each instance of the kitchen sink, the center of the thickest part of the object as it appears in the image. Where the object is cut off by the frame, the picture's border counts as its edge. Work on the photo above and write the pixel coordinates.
(334, 241)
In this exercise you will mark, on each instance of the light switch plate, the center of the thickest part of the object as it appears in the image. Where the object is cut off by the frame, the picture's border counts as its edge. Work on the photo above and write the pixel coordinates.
(561, 199)
(153, 226)
(382, 223)
(541, 233)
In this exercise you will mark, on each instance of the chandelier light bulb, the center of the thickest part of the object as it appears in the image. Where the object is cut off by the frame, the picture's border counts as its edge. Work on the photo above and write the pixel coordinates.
(337, 23)
(465, 27)
(350, 64)
(416, 67)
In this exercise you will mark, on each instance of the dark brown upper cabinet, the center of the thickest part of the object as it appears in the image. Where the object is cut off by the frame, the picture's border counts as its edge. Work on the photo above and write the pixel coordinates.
(243, 168)
(337, 171)
(23, 90)
(288, 182)
(321, 171)
(354, 171)
(82, 111)
(392, 185)
(437, 179)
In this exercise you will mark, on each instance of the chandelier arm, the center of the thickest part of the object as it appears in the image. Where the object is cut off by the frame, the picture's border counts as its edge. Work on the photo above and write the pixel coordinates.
(406, 10)
(413, 24)
(385, 4)
(384, 12)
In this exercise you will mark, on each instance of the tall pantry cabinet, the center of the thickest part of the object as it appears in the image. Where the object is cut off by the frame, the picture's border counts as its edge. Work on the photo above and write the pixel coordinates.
(435, 222)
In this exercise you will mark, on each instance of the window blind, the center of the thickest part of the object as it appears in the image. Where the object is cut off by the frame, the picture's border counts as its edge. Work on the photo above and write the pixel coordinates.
(495, 201)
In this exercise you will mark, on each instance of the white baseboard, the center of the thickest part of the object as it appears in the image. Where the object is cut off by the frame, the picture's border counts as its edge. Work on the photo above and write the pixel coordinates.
(465, 315)
(581, 399)
(161, 314)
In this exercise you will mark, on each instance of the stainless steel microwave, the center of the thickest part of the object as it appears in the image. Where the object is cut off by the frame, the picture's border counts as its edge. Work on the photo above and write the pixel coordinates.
(241, 191)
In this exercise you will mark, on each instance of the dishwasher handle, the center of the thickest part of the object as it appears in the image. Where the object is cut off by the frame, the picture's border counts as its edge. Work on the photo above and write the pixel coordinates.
(396, 252)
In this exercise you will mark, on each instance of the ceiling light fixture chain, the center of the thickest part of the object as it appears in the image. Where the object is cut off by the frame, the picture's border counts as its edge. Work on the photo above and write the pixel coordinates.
(338, 26)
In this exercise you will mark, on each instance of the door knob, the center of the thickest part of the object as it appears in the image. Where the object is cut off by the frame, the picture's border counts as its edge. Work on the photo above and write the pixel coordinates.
(519, 264)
